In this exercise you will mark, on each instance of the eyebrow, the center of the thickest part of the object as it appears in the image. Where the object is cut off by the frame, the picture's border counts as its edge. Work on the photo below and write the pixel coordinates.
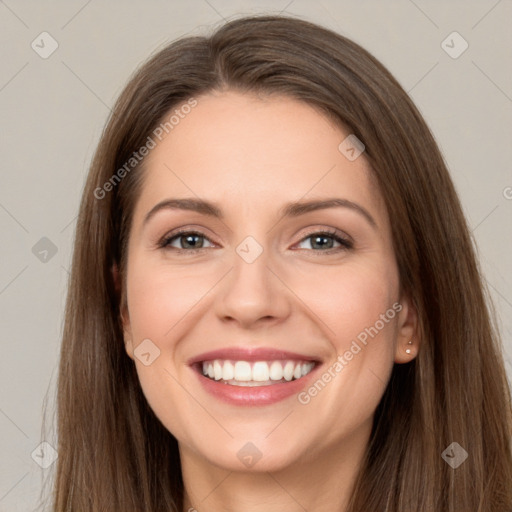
(292, 209)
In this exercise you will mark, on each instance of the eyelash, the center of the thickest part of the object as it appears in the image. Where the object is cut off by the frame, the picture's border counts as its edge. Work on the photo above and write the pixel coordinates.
(344, 242)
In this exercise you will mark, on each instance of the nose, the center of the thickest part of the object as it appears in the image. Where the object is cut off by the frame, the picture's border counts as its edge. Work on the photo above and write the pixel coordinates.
(253, 294)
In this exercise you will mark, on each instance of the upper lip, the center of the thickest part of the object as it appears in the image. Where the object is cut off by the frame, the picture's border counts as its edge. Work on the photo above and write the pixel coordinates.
(251, 354)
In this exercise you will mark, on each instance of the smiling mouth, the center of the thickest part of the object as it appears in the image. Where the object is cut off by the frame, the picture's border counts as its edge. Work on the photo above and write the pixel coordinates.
(254, 373)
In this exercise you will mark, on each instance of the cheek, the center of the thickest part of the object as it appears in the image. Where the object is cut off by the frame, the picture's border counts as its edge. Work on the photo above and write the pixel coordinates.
(161, 303)
(359, 308)
(159, 297)
(350, 298)
(357, 304)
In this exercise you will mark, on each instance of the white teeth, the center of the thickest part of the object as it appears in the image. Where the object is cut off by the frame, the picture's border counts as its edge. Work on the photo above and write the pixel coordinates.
(276, 371)
(305, 369)
(217, 370)
(260, 371)
(228, 371)
(244, 373)
(288, 370)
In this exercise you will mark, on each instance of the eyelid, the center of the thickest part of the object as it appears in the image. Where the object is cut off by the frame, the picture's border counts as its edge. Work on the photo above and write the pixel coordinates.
(163, 242)
(346, 241)
(330, 231)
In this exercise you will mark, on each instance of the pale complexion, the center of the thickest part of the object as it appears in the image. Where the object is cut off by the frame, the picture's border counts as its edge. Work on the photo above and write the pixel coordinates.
(251, 156)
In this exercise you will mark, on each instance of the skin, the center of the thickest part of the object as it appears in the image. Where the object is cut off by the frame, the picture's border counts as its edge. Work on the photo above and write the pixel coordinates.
(258, 154)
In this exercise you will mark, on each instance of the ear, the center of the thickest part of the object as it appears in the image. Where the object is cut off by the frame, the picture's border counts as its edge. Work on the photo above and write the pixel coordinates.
(123, 309)
(408, 336)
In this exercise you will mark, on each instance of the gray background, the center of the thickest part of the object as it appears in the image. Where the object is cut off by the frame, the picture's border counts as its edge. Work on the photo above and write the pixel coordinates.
(53, 111)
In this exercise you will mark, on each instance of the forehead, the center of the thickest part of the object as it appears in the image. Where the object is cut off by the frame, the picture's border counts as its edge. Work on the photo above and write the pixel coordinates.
(241, 149)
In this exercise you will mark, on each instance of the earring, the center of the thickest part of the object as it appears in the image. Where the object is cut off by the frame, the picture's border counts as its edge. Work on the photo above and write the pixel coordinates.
(408, 350)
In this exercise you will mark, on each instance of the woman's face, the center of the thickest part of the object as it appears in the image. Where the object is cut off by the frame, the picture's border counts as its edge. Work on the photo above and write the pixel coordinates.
(271, 292)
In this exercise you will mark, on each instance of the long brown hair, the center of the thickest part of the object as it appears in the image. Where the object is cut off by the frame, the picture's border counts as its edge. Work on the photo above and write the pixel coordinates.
(114, 454)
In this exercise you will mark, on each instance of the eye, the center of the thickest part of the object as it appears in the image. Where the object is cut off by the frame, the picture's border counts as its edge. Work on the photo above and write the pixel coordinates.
(321, 239)
(189, 241)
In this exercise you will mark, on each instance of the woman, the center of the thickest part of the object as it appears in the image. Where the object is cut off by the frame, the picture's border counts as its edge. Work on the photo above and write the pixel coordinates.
(274, 300)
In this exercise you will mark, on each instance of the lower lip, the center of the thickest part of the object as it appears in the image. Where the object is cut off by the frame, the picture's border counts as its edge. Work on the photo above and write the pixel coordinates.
(256, 395)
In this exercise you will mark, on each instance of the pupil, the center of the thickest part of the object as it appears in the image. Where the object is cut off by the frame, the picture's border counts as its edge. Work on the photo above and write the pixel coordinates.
(320, 241)
(316, 238)
(189, 237)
